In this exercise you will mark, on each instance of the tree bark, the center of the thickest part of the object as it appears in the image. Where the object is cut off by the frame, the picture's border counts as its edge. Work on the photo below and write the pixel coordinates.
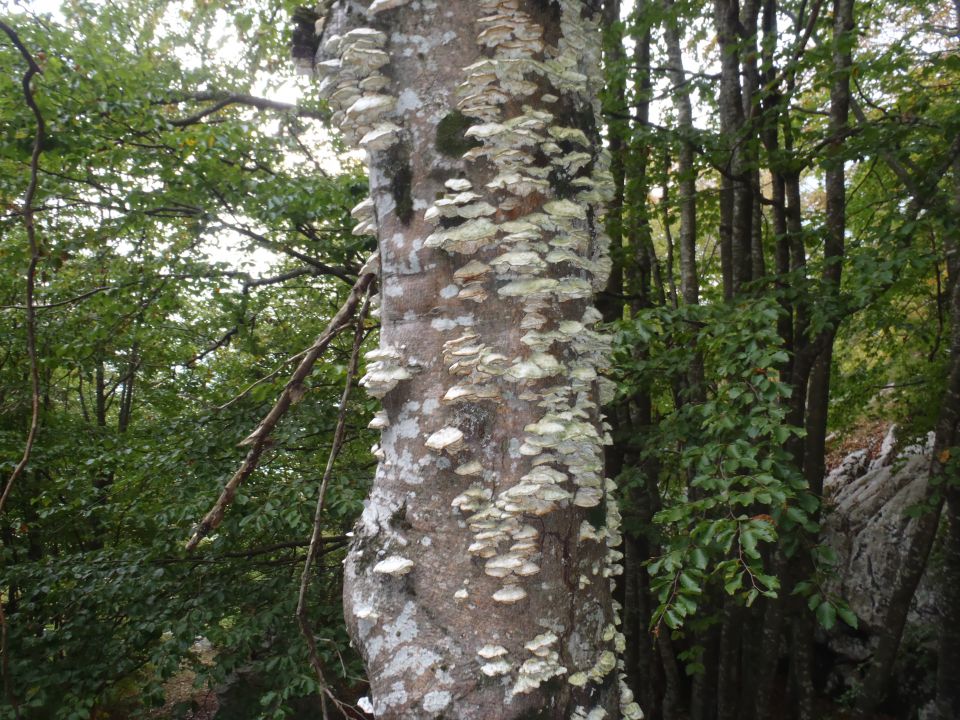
(477, 584)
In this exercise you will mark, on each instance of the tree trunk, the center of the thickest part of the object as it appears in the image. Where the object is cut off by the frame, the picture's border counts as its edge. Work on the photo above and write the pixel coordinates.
(689, 282)
(818, 395)
(948, 660)
(616, 112)
(477, 582)
(736, 194)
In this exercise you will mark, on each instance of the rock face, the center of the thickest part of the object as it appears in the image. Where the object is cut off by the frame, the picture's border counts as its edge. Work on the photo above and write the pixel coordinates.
(867, 524)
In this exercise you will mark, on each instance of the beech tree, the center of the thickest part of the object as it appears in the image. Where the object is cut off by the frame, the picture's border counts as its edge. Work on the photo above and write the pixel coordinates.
(478, 584)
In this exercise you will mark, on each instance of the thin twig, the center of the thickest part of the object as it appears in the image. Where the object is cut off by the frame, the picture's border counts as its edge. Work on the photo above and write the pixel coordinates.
(292, 393)
(337, 272)
(222, 341)
(260, 381)
(31, 323)
(317, 538)
(139, 282)
(68, 301)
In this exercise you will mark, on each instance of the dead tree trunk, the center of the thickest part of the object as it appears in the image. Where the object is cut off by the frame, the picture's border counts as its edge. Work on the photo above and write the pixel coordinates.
(478, 582)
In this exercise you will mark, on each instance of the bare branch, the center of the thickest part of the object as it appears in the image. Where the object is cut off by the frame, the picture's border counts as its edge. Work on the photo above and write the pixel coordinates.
(68, 301)
(316, 538)
(277, 279)
(337, 272)
(292, 393)
(222, 99)
(222, 341)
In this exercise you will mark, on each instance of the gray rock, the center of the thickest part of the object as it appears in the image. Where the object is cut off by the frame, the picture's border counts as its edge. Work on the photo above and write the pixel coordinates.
(867, 524)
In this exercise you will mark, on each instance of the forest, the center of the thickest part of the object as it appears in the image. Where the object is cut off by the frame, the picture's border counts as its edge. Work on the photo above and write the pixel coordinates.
(228, 239)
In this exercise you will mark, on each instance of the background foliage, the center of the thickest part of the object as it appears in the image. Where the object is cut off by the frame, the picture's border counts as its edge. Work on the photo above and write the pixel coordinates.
(185, 256)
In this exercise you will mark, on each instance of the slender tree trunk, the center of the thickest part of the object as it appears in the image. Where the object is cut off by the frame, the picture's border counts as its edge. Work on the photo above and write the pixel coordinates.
(477, 582)
(645, 287)
(640, 272)
(689, 281)
(101, 395)
(637, 670)
(728, 669)
(704, 691)
(732, 129)
(749, 17)
(948, 656)
(616, 111)
(671, 293)
(890, 631)
(726, 17)
(818, 395)
(764, 662)
(948, 435)
(673, 685)
(126, 398)
(686, 171)
(768, 656)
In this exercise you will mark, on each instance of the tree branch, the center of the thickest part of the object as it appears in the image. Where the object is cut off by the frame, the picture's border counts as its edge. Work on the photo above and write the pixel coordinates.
(292, 393)
(337, 272)
(316, 537)
(223, 99)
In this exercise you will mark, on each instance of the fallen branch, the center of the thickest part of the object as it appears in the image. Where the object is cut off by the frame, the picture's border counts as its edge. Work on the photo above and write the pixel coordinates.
(291, 394)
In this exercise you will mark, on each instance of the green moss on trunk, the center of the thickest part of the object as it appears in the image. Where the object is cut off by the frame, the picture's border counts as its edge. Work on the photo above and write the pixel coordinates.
(451, 138)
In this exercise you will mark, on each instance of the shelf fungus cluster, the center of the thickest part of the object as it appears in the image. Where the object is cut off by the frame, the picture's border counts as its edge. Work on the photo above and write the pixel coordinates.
(490, 369)
(354, 86)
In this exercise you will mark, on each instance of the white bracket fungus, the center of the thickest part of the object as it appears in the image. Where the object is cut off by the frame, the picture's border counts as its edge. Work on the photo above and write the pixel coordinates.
(379, 6)
(448, 439)
(489, 652)
(495, 668)
(510, 594)
(394, 565)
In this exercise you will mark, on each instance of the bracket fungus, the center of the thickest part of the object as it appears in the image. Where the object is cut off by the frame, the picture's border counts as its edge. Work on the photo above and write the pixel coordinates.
(394, 565)
(379, 6)
(448, 439)
(510, 594)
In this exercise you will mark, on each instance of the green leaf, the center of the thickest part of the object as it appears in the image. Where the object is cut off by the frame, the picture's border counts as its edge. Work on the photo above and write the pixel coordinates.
(826, 615)
(848, 616)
